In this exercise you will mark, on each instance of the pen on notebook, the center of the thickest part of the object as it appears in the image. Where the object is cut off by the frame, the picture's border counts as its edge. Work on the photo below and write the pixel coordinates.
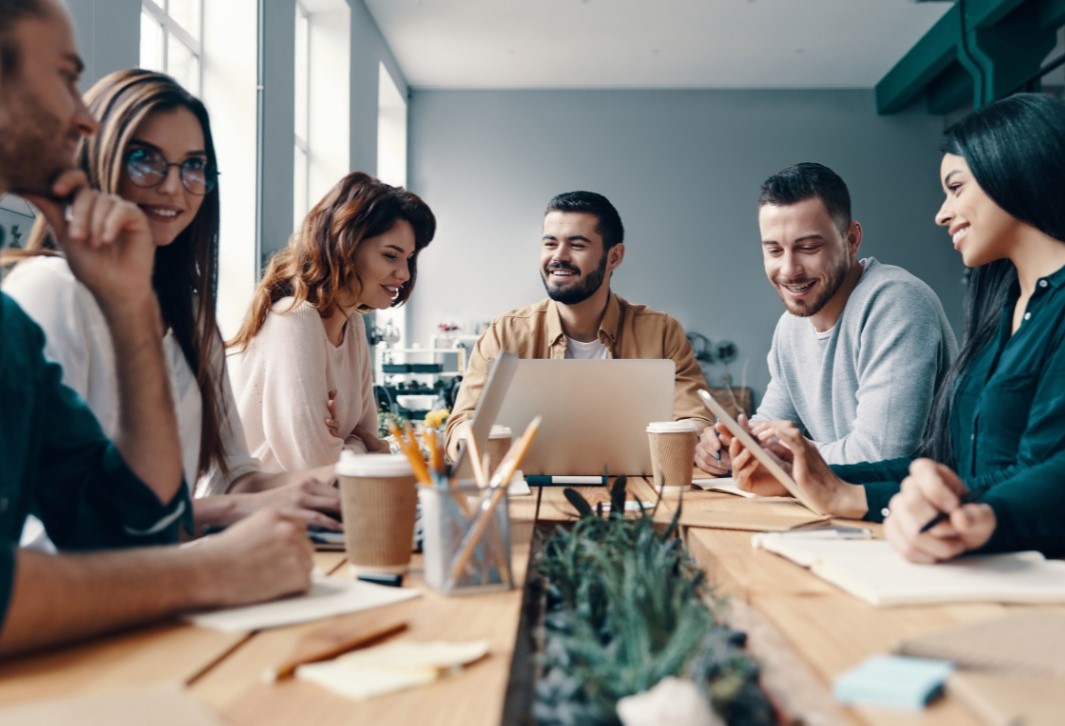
(967, 498)
(540, 480)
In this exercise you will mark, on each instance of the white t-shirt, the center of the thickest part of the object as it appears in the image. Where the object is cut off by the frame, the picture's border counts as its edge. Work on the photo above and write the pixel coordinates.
(595, 350)
(79, 339)
(282, 382)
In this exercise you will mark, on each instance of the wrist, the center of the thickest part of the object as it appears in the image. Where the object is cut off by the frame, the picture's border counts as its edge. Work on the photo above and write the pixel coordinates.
(849, 501)
(137, 309)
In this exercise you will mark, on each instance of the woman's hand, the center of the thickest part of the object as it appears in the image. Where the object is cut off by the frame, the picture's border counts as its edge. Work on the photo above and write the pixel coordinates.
(309, 500)
(818, 484)
(332, 424)
(932, 489)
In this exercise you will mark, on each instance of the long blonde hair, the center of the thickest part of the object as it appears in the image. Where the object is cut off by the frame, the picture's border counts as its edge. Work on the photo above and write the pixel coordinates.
(185, 276)
(318, 262)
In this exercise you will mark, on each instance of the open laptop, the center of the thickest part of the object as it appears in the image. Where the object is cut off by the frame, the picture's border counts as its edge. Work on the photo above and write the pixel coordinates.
(595, 413)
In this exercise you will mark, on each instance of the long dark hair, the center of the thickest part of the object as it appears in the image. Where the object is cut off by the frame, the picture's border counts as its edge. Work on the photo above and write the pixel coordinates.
(185, 276)
(317, 263)
(1015, 149)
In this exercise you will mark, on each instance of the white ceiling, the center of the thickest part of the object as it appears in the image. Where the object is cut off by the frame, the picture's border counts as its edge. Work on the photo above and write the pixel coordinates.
(650, 43)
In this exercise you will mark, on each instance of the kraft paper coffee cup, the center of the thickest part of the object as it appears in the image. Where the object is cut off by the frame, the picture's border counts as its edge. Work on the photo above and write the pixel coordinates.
(379, 501)
(499, 440)
(672, 453)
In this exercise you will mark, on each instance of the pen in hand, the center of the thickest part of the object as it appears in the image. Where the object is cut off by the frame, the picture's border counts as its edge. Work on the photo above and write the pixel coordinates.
(966, 498)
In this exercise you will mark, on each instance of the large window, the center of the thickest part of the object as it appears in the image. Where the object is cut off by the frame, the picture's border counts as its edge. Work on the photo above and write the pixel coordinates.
(171, 32)
(301, 171)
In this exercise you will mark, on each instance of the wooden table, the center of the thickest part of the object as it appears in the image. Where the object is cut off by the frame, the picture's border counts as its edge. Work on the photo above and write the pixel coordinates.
(804, 631)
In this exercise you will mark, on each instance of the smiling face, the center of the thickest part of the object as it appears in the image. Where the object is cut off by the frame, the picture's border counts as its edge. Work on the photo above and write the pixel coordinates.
(573, 263)
(979, 229)
(806, 257)
(42, 116)
(383, 265)
(177, 136)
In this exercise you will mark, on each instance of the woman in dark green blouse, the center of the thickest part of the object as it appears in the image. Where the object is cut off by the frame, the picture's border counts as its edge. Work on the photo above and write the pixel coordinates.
(998, 423)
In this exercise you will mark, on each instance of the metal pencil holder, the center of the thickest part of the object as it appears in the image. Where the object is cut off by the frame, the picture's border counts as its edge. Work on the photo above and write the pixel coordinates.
(447, 517)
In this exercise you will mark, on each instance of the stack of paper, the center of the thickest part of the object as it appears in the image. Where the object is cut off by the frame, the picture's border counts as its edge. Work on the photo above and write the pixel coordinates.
(872, 571)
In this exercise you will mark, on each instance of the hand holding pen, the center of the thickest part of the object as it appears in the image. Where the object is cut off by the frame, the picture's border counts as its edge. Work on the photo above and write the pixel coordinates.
(711, 453)
(934, 517)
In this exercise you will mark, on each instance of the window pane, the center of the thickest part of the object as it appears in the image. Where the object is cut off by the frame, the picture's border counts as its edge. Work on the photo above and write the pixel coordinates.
(184, 66)
(302, 102)
(151, 43)
(186, 13)
(299, 186)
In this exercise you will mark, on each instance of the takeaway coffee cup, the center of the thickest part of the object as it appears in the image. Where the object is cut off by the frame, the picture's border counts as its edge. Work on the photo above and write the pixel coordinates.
(498, 446)
(379, 500)
(672, 453)
(499, 441)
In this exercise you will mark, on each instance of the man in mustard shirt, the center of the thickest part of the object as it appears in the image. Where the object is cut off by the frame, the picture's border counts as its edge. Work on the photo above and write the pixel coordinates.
(583, 243)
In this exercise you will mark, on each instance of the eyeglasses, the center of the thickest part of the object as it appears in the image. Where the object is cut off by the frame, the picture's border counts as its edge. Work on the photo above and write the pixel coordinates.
(148, 168)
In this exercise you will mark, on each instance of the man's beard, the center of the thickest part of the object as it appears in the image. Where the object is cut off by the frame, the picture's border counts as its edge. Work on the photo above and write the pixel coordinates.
(832, 284)
(32, 154)
(577, 293)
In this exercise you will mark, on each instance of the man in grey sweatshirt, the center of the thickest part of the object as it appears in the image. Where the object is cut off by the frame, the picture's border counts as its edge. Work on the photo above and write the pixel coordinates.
(862, 347)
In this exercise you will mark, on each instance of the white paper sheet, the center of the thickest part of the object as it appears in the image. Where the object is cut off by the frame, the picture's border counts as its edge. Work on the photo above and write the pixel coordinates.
(327, 597)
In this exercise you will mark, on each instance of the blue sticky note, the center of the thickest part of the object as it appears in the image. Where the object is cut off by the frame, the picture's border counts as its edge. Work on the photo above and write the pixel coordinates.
(895, 681)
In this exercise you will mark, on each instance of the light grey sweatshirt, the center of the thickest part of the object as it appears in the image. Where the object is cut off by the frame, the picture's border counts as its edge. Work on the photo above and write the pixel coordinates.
(862, 391)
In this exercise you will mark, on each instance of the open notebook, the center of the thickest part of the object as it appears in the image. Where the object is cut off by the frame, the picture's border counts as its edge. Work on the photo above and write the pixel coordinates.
(872, 571)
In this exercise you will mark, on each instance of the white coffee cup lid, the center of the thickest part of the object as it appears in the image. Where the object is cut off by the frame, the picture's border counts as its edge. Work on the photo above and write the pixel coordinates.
(353, 464)
(499, 431)
(672, 427)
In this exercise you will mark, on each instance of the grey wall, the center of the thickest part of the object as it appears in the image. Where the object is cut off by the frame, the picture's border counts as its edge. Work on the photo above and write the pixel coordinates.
(278, 100)
(108, 34)
(368, 49)
(683, 169)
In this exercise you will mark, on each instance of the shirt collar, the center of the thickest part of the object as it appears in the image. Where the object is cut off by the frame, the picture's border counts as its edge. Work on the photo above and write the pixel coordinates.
(608, 326)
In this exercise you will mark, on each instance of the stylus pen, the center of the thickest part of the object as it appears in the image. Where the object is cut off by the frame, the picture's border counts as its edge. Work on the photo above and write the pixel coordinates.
(541, 480)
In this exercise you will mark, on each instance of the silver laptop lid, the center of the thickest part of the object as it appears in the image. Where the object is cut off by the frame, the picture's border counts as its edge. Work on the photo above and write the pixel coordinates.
(595, 413)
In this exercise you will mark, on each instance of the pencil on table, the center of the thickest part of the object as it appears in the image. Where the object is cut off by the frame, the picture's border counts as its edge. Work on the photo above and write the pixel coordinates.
(332, 650)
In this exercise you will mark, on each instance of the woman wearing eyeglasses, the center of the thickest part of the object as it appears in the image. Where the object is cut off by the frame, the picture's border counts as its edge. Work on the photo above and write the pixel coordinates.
(154, 148)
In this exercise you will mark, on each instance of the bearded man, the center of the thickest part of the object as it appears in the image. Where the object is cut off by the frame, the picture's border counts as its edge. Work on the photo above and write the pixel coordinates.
(862, 346)
(583, 242)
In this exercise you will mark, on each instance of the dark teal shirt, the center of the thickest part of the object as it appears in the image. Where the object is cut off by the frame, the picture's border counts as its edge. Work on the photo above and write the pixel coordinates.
(1008, 428)
(56, 462)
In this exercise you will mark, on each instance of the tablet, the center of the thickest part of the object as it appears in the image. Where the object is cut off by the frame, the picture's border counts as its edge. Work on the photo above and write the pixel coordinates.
(764, 457)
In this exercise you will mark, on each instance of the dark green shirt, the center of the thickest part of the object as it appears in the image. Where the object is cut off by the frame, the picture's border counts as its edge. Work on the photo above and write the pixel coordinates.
(1008, 428)
(56, 462)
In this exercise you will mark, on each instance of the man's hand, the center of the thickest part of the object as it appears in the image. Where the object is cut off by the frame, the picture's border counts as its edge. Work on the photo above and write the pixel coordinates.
(749, 474)
(711, 454)
(263, 557)
(106, 239)
(929, 490)
(819, 485)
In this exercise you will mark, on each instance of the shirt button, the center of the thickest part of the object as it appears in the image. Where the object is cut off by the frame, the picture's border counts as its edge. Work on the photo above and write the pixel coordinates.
(1042, 283)
(1027, 316)
(972, 437)
(3, 504)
